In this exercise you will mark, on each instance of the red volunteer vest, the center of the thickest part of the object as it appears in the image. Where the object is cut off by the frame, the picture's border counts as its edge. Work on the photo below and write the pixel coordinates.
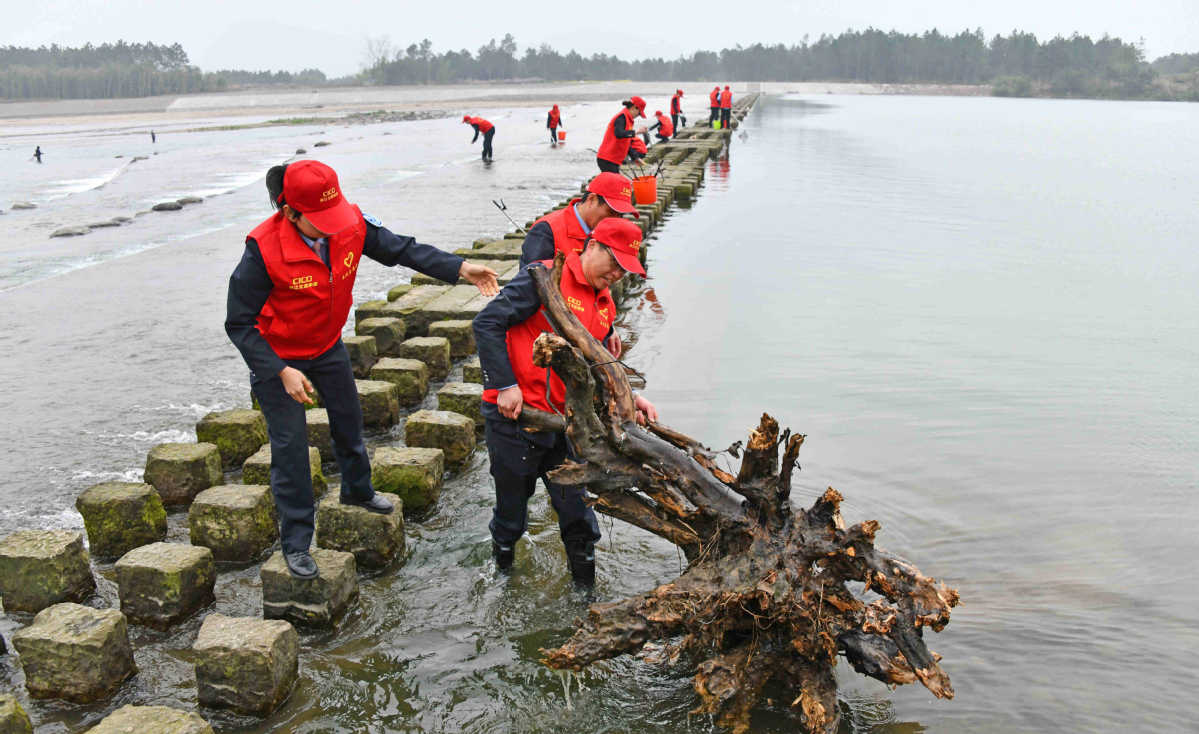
(675, 106)
(594, 310)
(714, 98)
(614, 149)
(309, 303)
(568, 235)
(555, 118)
(666, 127)
(726, 99)
(484, 125)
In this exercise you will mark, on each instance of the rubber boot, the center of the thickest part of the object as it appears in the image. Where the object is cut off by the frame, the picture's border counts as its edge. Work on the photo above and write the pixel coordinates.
(503, 555)
(581, 557)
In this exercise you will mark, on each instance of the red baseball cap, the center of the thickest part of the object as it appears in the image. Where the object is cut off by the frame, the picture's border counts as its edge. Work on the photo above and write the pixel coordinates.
(466, 118)
(617, 191)
(640, 104)
(623, 238)
(311, 188)
(679, 92)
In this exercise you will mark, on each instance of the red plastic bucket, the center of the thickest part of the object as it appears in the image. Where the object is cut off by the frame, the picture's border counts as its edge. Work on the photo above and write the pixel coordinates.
(561, 136)
(645, 189)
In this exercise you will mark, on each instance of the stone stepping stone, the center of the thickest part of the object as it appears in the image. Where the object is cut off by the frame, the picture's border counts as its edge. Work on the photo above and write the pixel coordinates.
(375, 540)
(409, 306)
(120, 516)
(434, 351)
(453, 433)
(410, 377)
(464, 398)
(162, 583)
(150, 720)
(413, 474)
(363, 352)
(388, 333)
(400, 290)
(75, 653)
(460, 303)
(369, 310)
(318, 602)
(460, 334)
(380, 403)
(39, 568)
(319, 434)
(237, 433)
(236, 521)
(257, 469)
(13, 719)
(245, 664)
(472, 370)
(179, 471)
(167, 206)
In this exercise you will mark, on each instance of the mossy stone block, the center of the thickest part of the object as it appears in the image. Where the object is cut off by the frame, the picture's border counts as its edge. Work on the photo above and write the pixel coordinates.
(388, 333)
(319, 434)
(453, 433)
(75, 653)
(237, 433)
(363, 353)
(245, 664)
(400, 290)
(236, 521)
(13, 719)
(179, 471)
(317, 602)
(411, 473)
(120, 516)
(380, 403)
(465, 398)
(460, 335)
(434, 351)
(257, 469)
(409, 376)
(376, 540)
(150, 720)
(162, 583)
(39, 568)
(472, 370)
(369, 310)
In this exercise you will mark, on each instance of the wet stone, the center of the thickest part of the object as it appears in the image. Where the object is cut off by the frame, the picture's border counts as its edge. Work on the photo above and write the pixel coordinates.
(237, 433)
(387, 332)
(150, 720)
(465, 398)
(13, 719)
(409, 376)
(257, 469)
(399, 290)
(380, 403)
(120, 516)
(453, 433)
(472, 370)
(412, 474)
(364, 352)
(39, 568)
(24, 205)
(245, 664)
(70, 231)
(167, 206)
(236, 521)
(434, 351)
(375, 540)
(369, 310)
(318, 602)
(180, 470)
(190, 200)
(162, 583)
(460, 335)
(75, 653)
(318, 432)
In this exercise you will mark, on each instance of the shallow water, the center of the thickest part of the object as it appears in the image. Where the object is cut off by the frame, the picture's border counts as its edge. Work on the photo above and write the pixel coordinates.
(980, 311)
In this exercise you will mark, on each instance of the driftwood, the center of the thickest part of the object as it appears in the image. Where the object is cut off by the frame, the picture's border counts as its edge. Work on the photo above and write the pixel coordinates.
(765, 596)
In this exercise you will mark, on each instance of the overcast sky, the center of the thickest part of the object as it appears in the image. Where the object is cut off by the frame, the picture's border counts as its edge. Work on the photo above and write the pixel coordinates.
(331, 36)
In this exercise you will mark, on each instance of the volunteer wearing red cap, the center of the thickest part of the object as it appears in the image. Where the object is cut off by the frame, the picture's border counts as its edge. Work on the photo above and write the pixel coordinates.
(726, 107)
(714, 104)
(615, 146)
(664, 127)
(553, 121)
(505, 331)
(486, 128)
(288, 302)
(676, 111)
(637, 149)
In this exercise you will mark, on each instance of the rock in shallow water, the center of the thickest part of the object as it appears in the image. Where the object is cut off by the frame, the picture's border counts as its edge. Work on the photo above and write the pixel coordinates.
(39, 568)
(413, 474)
(70, 231)
(453, 433)
(120, 516)
(180, 470)
(167, 206)
(245, 664)
(238, 434)
(75, 653)
(13, 719)
(375, 540)
(318, 602)
(236, 521)
(162, 583)
(150, 720)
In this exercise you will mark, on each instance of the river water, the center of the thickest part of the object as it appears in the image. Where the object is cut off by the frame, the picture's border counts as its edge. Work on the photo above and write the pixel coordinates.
(981, 311)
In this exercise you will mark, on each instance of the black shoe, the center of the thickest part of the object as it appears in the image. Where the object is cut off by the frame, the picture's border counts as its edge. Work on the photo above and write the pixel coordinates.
(581, 557)
(374, 504)
(503, 555)
(301, 565)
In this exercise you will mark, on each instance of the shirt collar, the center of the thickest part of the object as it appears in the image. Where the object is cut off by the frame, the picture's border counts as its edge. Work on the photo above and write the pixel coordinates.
(314, 244)
(586, 229)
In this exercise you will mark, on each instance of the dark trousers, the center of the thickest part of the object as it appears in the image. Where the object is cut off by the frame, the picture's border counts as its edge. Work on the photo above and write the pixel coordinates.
(517, 460)
(662, 138)
(291, 478)
(553, 134)
(725, 112)
(607, 166)
(487, 136)
(674, 121)
(715, 115)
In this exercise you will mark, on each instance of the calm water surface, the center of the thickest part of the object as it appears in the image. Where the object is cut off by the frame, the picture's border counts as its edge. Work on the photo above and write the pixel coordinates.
(982, 312)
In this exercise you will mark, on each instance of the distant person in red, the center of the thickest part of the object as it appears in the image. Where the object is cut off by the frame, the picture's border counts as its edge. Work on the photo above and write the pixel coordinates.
(726, 107)
(637, 150)
(553, 121)
(664, 126)
(486, 128)
(676, 111)
(714, 104)
(620, 133)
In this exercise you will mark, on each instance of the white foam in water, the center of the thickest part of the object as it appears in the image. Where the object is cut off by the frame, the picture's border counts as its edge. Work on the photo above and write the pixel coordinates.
(194, 409)
(96, 477)
(61, 189)
(228, 182)
(403, 175)
(170, 435)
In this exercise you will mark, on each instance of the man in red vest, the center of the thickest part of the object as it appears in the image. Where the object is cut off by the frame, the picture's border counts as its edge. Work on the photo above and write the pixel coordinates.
(726, 107)
(566, 229)
(288, 302)
(505, 331)
(664, 127)
(553, 121)
(714, 105)
(676, 110)
(488, 131)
